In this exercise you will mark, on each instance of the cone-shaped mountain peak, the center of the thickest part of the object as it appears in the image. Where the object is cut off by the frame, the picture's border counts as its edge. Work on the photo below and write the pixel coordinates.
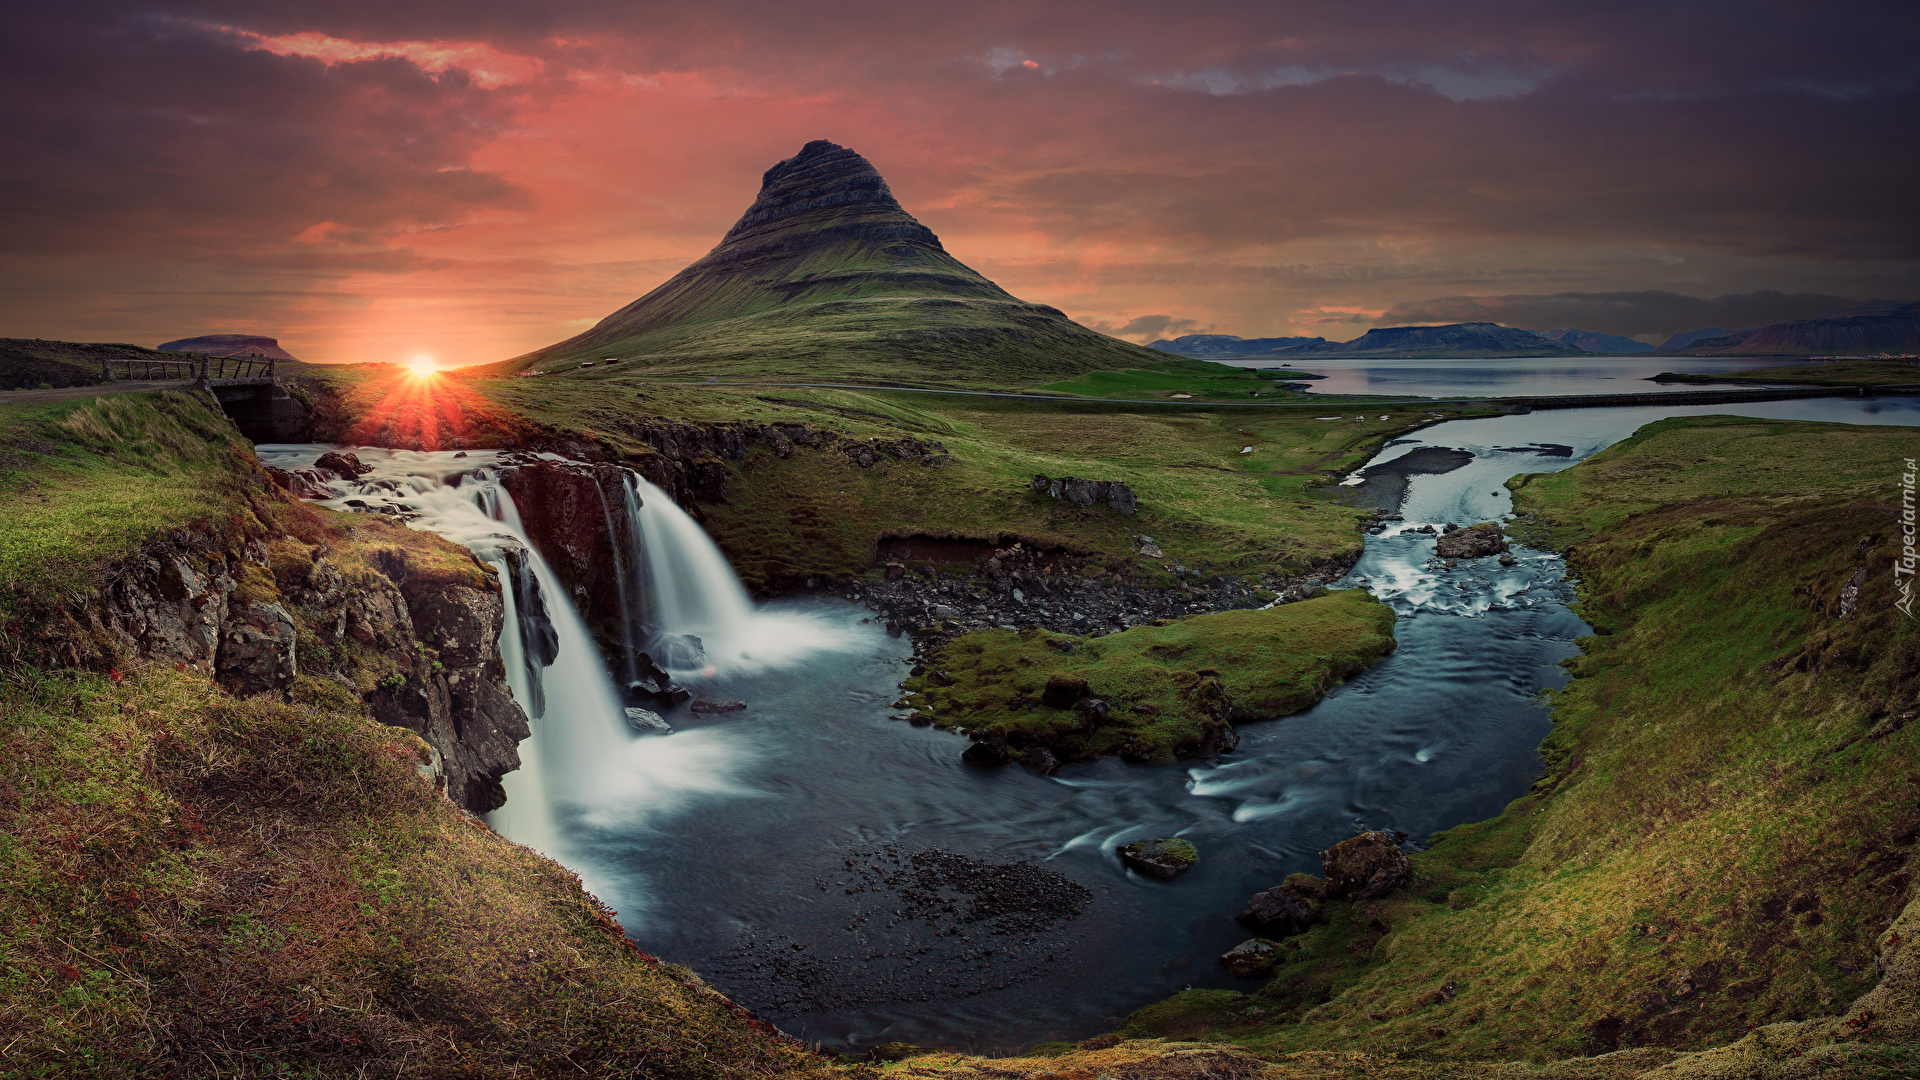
(822, 176)
(827, 274)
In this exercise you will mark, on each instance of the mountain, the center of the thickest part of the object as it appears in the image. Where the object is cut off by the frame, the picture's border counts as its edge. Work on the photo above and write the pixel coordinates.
(826, 275)
(1458, 339)
(230, 345)
(1876, 326)
(1227, 346)
(1685, 338)
(1594, 341)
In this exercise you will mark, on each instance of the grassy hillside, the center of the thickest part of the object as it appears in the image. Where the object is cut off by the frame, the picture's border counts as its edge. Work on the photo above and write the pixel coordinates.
(1727, 825)
(87, 480)
(192, 885)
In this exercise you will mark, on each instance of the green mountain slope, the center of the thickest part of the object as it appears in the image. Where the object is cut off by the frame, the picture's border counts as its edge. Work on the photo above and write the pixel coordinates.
(826, 276)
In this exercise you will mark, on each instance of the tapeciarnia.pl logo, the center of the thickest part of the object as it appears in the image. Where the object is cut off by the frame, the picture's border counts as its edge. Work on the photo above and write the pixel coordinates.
(1903, 567)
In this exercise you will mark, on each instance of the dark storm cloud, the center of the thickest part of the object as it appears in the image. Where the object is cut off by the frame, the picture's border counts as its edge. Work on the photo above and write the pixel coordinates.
(1314, 156)
(1647, 313)
(167, 137)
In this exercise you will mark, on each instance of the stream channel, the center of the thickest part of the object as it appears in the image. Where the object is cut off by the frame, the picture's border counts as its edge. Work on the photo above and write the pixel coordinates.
(847, 877)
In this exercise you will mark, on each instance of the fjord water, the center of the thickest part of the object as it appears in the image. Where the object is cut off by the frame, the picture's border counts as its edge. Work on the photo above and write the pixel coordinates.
(1506, 376)
(735, 834)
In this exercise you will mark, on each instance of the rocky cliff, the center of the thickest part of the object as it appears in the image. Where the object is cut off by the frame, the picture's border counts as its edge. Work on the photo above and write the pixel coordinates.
(296, 603)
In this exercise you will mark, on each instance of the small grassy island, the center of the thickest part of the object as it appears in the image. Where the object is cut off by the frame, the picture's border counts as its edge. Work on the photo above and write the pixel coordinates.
(1151, 693)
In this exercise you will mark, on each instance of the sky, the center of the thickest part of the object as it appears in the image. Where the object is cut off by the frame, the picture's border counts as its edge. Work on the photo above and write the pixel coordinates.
(382, 180)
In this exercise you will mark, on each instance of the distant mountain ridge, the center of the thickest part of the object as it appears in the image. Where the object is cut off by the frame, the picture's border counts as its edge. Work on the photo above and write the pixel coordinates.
(230, 345)
(826, 274)
(1868, 328)
(1594, 341)
(1687, 337)
(1453, 340)
(1215, 346)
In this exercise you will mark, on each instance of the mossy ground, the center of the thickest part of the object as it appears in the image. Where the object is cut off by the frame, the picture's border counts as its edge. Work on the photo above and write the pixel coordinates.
(1271, 662)
(1727, 821)
(86, 480)
(193, 885)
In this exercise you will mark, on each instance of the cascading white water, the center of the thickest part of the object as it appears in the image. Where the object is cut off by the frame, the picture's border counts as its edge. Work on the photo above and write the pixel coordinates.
(582, 763)
(692, 592)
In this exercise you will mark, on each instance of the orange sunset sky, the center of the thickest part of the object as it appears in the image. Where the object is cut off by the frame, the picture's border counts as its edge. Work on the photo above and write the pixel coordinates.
(377, 181)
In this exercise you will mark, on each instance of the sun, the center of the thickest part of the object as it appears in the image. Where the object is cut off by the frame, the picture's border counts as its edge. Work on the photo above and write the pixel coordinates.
(421, 366)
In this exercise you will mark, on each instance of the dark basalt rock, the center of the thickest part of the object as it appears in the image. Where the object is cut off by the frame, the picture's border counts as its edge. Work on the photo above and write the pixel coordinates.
(648, 722)
(702, 705)
(1250, 959)
(986, 750)
(1279, 911)
(1164, 859)
(344, 466)
(1472, 542)
(652, 684)
(1365, 867)
(1111, 494)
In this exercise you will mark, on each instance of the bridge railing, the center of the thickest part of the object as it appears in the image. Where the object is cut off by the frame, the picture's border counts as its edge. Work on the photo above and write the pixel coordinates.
(199, 368)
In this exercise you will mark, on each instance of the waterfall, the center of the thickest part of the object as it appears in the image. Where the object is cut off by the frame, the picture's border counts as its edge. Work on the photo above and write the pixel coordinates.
(697, 616)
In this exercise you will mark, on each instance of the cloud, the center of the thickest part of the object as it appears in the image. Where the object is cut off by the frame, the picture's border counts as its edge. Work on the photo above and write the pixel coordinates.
(483, 174)
(1648, 314)
(489, 67)
(1149, 327)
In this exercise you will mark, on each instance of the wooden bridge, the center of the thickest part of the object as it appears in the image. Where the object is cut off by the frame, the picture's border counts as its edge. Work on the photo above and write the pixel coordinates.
(205, 369)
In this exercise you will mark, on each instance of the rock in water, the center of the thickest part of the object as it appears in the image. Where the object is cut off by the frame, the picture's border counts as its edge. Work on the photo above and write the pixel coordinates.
(1164, 859)
(1472, 542)
(702, 705)
(1251, 958)
(344, 466)
(1286, 909)
(648, 722)
(1365, 867)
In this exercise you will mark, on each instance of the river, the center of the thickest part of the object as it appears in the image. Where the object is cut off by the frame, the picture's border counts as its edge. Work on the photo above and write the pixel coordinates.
(773, 849)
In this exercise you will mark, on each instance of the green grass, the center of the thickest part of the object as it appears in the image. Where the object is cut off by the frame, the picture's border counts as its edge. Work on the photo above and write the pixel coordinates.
(1721, 833)
(1270, 662)
(193, 885)
(818, 514)
(87, 480)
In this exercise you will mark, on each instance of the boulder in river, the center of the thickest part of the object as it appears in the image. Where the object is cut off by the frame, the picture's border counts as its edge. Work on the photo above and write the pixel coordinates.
(653, 683)
(1251, 958)
(1286, 909)
(1164, 858)
(702, 705)
(1365, 867)
(1041, 760)
(1472, 542)
(648, 722)
(344, 466)
(986, 750)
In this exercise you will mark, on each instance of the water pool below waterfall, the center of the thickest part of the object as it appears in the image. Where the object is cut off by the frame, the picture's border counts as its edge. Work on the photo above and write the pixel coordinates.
(769, 849)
